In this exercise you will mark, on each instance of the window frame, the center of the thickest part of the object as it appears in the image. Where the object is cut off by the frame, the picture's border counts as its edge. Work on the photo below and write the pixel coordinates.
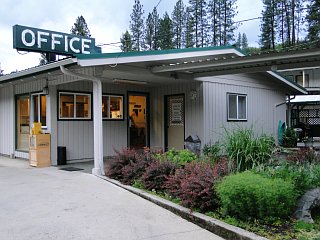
(237, 119)
(300, 77)
(39, 95)
(75, 94)
(114, 95)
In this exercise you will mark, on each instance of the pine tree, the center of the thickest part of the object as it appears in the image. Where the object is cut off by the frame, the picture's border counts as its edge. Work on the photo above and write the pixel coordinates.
(313, 20)
(189, 35)
(126, 42)
(179, 24)
(165, 33)
(137, 26)
(214, 12)
(227, 24)
(244, 41)
(80, 27)
(152, 30)
(198, 9)
(268, 25)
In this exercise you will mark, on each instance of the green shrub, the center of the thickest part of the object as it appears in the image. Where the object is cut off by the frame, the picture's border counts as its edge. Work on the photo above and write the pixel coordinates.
(245, 151)
(180, 157)
(248, 195)
(304, 177)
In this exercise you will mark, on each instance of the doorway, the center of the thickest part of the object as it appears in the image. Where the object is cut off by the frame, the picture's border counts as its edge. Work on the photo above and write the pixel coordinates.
(138, 120)
(174, 122)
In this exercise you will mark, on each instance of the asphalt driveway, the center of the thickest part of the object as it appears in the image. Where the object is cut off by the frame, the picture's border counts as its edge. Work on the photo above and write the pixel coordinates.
(48, 203)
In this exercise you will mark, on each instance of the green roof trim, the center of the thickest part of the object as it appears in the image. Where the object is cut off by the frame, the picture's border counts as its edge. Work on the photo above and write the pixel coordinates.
(153, 52)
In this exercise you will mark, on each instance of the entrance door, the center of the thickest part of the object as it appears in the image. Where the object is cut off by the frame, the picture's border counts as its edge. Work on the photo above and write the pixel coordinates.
(174, 108)
(138, 124)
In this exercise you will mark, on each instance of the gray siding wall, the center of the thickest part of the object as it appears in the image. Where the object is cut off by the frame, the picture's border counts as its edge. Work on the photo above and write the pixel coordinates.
(7, 121)
(193, 111)
(264, 110)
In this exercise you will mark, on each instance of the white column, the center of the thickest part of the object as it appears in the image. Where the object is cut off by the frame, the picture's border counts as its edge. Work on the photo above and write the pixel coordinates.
(303, 79)
(97, 129)
(52, 123)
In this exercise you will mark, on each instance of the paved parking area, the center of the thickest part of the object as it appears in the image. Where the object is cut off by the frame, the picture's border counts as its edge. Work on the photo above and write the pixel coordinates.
(48, 203)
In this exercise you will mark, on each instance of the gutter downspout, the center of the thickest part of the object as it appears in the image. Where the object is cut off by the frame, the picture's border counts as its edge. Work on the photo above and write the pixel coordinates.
(98, 169)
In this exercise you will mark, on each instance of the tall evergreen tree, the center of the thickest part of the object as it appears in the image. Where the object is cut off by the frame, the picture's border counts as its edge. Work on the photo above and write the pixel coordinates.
(244, 41)
(137, 26)
(80, 27)
(165, 33)
(227, 24)
(198, 10)
(126, 42)
(152, 30)
(214, 12)
(313, 20)
(179, 24)
(189, 35)
(269, 25)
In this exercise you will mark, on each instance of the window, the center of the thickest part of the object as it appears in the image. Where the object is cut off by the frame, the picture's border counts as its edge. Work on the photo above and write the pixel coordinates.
(112, 107)
(299, 80)
(39, 109)
(237, 107)
(74, 106)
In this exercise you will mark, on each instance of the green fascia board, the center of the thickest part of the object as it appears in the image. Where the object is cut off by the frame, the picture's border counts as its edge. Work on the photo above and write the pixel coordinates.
(153, 52)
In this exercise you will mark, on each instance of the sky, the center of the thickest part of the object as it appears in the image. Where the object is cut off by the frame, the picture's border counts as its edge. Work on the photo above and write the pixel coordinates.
(107, 20)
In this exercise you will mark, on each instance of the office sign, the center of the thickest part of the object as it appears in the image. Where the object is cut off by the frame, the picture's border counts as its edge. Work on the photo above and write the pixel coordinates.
(39, 40)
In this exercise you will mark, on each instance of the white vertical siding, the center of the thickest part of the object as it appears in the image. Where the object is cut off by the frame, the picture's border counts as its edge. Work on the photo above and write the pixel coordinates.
(193, 110)
(263, 114)
(7, 133)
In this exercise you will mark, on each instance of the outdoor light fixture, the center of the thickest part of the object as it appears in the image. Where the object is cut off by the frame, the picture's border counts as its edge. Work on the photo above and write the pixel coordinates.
(126, 81)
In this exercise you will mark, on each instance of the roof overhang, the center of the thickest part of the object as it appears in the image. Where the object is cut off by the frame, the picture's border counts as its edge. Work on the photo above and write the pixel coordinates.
(36, 70)
(163, 57)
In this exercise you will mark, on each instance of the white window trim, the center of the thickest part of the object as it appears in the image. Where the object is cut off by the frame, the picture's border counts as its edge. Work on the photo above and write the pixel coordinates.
(75, 94)
(108, 114)
(228, 107)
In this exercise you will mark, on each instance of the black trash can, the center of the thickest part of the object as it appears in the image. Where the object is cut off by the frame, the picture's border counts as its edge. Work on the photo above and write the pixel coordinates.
(62, 155)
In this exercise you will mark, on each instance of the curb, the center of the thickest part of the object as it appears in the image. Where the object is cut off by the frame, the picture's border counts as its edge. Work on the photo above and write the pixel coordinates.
(215, 226)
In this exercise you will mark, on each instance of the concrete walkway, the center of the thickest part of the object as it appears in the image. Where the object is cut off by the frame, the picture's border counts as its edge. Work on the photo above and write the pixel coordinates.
(48, 203)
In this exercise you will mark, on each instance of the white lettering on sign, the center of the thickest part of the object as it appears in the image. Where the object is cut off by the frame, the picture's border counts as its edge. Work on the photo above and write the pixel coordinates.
(71, 44)
(40, 39)
(54, 41)
(23, 38)
(84, 45)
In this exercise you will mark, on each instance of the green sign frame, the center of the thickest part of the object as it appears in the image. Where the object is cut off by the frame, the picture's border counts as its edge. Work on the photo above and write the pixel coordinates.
(45, 41)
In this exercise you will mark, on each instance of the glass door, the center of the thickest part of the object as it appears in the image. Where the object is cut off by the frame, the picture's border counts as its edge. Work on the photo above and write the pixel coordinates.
(23, 122)
(138, 125)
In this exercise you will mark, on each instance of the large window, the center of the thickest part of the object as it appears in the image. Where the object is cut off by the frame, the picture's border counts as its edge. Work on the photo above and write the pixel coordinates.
(112, 107)
(237, 107)
(39, 109)
(74, 106)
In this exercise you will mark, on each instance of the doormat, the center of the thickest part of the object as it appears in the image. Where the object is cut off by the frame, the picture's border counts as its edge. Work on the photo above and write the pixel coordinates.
(71, 169)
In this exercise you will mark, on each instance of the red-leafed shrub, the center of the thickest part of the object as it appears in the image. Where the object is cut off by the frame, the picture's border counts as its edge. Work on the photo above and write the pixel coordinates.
(193, 184)
(126, 164)
(136, 167)
(156, 174)
(304, 156)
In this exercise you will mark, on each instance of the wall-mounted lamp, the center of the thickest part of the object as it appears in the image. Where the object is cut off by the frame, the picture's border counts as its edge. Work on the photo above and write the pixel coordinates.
(126, 81)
